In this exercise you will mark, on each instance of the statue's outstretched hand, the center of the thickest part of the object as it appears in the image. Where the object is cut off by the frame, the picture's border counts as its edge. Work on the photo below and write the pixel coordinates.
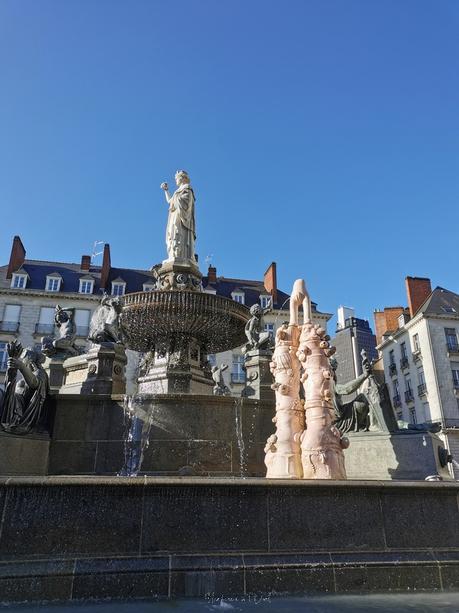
(164, 186)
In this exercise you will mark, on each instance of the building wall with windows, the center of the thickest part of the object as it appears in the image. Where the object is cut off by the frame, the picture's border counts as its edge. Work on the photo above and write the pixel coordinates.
(421, 366)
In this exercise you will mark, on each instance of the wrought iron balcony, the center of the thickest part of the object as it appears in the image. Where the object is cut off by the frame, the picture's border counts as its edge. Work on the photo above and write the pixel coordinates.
(9, 326)
(422, 389)
(396, 401)
(44, 328)
(417, 355)
(392, 368)
(409, 396)
(404, 363)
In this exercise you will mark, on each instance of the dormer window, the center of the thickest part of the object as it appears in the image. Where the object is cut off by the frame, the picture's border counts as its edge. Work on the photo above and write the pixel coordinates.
(265, 301)
(86, 286)
(238, 297)
(148, 287)
(19, 280)
(53, 283)
(118, 288)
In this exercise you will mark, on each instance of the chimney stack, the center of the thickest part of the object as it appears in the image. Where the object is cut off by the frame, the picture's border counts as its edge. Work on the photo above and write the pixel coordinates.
(212, 274)
(270, 281)
(17, 256)
(106, 265)
(387, 320)
(418, 289)
(85, 262)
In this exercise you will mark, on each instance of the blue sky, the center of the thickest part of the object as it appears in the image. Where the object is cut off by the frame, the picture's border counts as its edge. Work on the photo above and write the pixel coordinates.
(321, 134)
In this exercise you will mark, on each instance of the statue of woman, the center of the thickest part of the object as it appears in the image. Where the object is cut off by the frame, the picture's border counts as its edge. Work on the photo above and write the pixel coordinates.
(26, 389)
(181, 230)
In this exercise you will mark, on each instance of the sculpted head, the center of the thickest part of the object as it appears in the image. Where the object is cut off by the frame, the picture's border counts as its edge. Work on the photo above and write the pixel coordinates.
(256, 310)
(32, 357)
(181, 176)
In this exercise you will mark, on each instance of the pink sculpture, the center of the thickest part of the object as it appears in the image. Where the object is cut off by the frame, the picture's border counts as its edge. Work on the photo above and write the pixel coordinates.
(304, 350)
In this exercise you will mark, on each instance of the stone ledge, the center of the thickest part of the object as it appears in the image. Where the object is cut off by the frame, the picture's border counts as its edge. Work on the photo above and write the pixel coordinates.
(217, 576)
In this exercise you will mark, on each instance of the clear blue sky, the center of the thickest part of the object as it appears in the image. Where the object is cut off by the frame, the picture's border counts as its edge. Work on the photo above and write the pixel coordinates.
(321, 134)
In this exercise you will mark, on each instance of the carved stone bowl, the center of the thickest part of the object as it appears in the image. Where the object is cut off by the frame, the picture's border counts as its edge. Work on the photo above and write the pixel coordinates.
(152, 319)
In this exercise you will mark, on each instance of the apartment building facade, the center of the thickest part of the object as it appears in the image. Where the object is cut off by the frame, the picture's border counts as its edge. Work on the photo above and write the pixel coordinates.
(421, 359)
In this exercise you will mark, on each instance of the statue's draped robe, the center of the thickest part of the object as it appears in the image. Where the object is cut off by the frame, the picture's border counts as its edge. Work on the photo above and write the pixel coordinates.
(22, 405)
(181, 231)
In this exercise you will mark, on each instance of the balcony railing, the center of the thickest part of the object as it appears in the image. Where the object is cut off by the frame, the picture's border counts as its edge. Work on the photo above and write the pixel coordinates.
(393, 368)
(422, 389)
(44, 328)
(396, 401)
(9, 326)
(417, 355)
(409, 396)
(404, 363)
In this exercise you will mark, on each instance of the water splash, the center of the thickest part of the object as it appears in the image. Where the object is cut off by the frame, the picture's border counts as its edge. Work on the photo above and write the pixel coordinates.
(240, 437)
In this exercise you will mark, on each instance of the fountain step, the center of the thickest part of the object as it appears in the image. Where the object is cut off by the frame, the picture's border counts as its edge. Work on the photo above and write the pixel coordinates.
(143, 537)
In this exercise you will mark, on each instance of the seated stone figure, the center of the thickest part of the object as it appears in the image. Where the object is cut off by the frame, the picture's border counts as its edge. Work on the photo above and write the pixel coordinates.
(351, 416)
(257, 337)
(21, 405)
(105, 324)
(65, 343)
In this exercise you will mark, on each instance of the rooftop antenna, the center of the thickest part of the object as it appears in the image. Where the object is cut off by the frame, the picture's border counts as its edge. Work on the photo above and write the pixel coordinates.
(95, 253)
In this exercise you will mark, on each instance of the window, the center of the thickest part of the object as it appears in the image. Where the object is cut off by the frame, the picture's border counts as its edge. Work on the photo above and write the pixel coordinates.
(416, 346)
(238, 372)
(3, 357)
(451, 339)
(238, 297)
(408, 387)
(86, 286)
(11, 316)
(45, 324)
(270, 328)
(448, 309)
(118, 289)
(148, 287)
(18, 281)
(212, 359)
(396, 388)
(455, 373)
(53, 284)
(265, 302)
(413, 415)
(391, 357)
(403, 350)
(82, 317)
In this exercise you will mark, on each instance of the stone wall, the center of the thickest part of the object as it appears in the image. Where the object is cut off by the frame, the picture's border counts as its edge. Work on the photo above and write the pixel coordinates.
(93, 538)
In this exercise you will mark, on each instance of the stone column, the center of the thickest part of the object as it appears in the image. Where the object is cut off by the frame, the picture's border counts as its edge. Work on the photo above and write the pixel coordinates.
(321, 443)
(259, 377)
(283, 453)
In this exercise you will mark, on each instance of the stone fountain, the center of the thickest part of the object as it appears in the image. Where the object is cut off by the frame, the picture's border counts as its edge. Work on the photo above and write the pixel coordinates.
(78, 534)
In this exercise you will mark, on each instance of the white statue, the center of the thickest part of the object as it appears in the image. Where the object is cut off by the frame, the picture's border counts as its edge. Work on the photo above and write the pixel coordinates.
(181, 229)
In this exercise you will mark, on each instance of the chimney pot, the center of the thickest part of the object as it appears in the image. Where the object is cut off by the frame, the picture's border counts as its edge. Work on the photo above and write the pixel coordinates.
(85, 262)
(418, 289)
(106, 266)
(212, 274)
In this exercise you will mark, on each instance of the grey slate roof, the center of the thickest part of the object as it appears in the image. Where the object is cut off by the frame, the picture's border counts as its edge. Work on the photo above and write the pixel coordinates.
(71, 274)
(439, 300)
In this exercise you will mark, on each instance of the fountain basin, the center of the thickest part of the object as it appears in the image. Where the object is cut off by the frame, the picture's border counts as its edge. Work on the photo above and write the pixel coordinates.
(152, 319)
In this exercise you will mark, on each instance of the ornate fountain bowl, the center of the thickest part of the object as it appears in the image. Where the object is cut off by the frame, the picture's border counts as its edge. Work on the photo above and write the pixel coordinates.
(152, 319)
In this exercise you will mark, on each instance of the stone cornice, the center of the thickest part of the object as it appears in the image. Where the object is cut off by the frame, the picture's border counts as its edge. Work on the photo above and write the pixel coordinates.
(43, 294)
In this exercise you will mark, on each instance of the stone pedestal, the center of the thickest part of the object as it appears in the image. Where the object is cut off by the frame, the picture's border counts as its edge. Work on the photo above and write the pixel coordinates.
(405, 455)
(179, 372)
(179, 274)
(55, 369)
(259, 376)
(100, 371)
